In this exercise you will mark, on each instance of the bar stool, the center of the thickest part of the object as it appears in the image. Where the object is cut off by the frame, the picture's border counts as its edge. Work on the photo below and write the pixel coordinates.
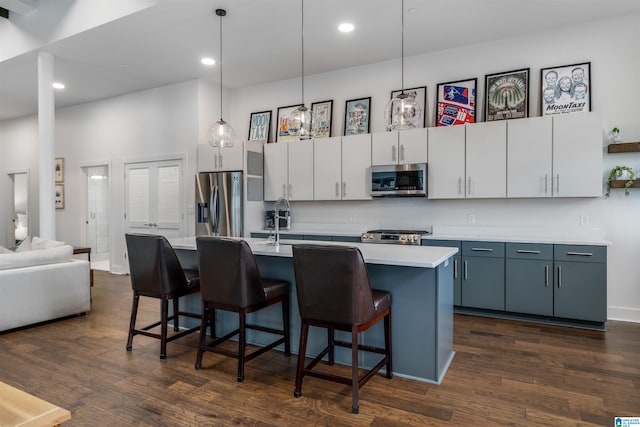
(230, 280)
(156, 273)
(334, 293)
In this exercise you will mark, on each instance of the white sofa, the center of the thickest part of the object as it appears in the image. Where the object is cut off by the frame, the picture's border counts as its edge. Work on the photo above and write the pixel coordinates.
(42, 284)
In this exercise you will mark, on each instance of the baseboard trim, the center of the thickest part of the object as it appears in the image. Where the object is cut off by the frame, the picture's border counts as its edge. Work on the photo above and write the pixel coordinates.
(624, 314)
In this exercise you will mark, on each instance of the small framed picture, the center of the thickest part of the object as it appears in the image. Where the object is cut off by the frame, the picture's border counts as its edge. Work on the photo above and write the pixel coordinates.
(456, 102)
(286, 130)
(356, 116)
(322, 115)
(260, 126)
(565, 89)
(59, 196)
(420, 94)
(59, 169)
(506, 95)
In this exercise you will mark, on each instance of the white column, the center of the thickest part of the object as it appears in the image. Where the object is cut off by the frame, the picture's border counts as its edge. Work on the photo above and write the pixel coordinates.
(46, 149)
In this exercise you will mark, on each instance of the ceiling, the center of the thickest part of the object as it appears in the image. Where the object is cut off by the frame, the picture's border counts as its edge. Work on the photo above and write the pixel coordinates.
(163, 44)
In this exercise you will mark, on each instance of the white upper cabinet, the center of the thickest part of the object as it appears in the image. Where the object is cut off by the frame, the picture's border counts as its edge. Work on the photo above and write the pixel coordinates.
(486, 160)
(577, 155)
(413, 145)
(327, 167)
(529, 151)
(300, 170)
(406, 146)
(356, 167)
(275, 171)
(446, 170)
(220, 159)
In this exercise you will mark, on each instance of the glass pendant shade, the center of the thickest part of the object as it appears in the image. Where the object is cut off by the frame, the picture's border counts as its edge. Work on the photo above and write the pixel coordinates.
(221, 135)
(301, 119)
(403, 112)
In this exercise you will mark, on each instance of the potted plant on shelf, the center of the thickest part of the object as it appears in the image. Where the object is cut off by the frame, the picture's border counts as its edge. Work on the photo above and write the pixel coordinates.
(624, 172)
(615, 134)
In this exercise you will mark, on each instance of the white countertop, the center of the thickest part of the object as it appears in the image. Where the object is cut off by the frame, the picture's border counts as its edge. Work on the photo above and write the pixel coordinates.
(373, 253)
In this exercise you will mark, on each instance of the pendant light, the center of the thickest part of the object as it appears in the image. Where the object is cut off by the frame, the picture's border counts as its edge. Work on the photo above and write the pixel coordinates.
(403, 111)
(221, 134)
(301, 116)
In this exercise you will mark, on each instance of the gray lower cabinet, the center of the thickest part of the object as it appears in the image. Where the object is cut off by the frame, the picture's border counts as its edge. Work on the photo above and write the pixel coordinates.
(483, 275)
(529, 278)
(457, 265)
(580, 282)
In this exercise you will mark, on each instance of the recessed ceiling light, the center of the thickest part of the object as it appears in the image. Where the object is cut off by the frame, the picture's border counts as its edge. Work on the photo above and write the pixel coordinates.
(58, 85)
(208, 61)
(346, 27)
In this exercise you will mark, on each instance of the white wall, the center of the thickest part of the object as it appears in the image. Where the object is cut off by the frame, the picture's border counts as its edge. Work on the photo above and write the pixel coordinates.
(173, 119)
(611, 48)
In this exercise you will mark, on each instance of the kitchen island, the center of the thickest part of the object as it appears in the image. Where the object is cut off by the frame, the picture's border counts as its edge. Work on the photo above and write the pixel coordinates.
(420, 279)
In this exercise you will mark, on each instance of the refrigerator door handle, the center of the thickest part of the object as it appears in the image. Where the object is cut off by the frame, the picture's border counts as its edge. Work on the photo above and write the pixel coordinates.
(213, 211)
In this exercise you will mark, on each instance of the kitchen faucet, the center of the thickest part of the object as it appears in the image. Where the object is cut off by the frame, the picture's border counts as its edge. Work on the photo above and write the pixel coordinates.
(279, 203)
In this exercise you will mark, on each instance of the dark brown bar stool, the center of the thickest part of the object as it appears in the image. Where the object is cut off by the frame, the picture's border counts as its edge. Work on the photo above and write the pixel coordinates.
(334, 293)
(156, 273)
(230, 280)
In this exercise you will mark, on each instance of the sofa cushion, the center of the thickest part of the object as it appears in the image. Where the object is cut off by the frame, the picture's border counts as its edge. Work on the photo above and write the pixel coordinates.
(38, 243)
(39, 257)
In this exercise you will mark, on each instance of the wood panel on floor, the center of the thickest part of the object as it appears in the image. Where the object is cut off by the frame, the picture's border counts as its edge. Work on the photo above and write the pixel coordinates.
(504, 373)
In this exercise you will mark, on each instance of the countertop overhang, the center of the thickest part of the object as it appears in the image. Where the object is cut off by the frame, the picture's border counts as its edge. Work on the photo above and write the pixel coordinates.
(373, 253)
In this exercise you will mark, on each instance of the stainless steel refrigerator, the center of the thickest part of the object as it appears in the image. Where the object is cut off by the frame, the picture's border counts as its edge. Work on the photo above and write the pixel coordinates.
(219, 201)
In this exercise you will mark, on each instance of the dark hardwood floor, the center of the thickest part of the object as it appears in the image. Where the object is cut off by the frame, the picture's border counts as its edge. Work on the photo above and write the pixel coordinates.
(504, 373)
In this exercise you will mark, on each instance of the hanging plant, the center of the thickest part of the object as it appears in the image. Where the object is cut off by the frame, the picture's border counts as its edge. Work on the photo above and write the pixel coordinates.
(617, 172)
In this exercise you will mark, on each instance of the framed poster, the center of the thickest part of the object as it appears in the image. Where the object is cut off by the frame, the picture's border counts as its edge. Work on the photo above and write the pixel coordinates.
(506, 95)
(420, 94)
(565, 89)
(59, 169)
(456, 102)
(286, 130)
(260, 126)
(322, 115)
(356, 116)
(59, 196)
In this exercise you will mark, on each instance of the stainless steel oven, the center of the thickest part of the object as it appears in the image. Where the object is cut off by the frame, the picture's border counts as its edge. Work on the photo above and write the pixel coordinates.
(406, 180)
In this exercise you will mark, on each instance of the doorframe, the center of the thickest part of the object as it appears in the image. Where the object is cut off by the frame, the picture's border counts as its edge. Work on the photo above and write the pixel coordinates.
(85, 201)
(10, 210)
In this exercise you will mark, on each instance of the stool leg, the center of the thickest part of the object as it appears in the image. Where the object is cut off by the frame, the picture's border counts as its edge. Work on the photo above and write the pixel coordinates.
(203, 335)
(212, 323)
(387, 343)
(354, 372)
(286, 327)
(164, 314)
(176, 309)
(302, 351)
(330, 339)
(132, 322)
(242, 343)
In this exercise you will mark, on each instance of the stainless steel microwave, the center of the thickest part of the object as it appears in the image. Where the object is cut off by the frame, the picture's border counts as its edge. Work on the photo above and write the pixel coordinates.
(405, 180)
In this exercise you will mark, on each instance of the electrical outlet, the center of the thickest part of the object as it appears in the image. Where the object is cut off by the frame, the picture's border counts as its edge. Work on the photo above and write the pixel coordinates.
(471, 219)
(584, 219)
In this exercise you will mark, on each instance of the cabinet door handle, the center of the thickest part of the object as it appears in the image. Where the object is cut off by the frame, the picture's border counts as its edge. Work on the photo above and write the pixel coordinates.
(393, 153)
(527, 251)
(557, 183)
(455, 268)
(559, 276)
(344, 188)
(290, 190)
(482, 249)
(546, 179)
(465, 269)
(469, 189)
(284, 190)
(546, 276)
(401, 152)
(221, 167)
(580, 253)
(459, 185)
(215, 161)
(337, 189)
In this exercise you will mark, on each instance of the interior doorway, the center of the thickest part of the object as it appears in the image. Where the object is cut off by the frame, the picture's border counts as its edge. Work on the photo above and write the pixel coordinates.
(18, 207)
(97, 215)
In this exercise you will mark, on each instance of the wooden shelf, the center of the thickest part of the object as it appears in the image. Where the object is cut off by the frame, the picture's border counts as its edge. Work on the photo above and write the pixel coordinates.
(624, 147)
(619, 183)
